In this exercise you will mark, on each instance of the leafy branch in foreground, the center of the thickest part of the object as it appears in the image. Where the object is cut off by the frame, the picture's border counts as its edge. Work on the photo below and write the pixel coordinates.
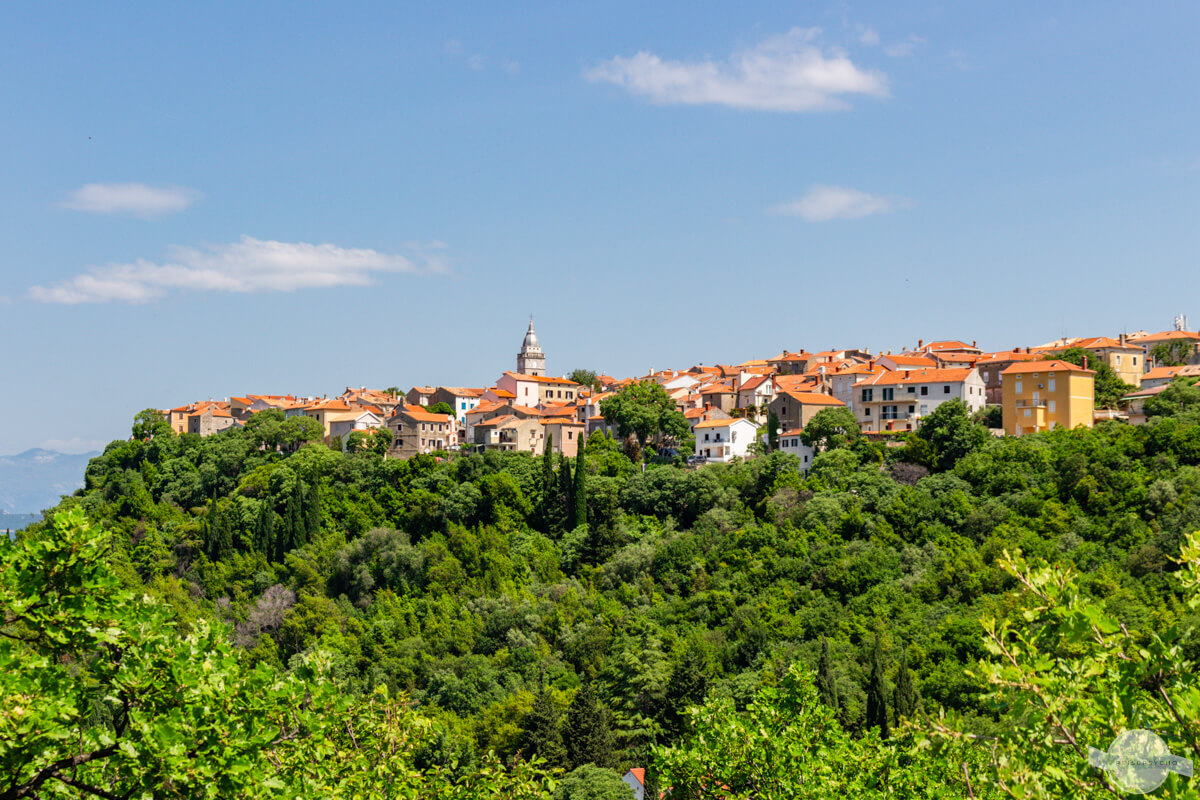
(103, 695)
(1067, 675)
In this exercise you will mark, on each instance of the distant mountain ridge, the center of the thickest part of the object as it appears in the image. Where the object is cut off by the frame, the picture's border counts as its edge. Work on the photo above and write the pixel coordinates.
(36, 479)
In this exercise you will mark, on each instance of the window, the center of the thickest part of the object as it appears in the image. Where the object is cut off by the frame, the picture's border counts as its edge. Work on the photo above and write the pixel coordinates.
(911, 409)
(888, 412)
(867, 411)
(889, 394)
(1050, 407)
(733, 436)
(945, 390)
(868, 395)
(1118, 361)
(706, 437)
(1135, 361)
(924, 391)
(1017, 387)
(912, 390)
(1027, 412)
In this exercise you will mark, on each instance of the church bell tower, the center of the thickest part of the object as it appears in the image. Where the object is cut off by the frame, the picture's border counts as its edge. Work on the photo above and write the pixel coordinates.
(531, 360)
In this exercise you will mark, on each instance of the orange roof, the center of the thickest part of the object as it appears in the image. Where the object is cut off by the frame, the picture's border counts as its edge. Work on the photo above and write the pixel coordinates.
(560, 421)
(969, 358)
(948, 344)
(917, 376)
(910, 361)
(420, 415)
(786, 356)
(562, 411)
(721, 423)
(793, 432)
(423, 389)
(1165, 336)
(752, 383)
(814, 399)
(502, 392)
(1023, 367)
(1158, 373)
(1005, 357)
(639, 775)
(1095, 343)
(541, 379)
(718, 388)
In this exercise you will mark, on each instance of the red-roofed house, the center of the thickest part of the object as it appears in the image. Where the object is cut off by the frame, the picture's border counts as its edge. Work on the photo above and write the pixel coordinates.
(724, 439)
(896, 401)
(795, 409)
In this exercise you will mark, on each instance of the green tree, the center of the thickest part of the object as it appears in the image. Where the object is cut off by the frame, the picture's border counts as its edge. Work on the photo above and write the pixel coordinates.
(542, 730)
(951, 433)
(565, 503)
(585, 377)
(588, 731)
(644, 410)
(1181, 397)
(1173, 353)
(826, 680)
(579, 491)
(150, 423)
(589, 782)
(788, 744)
(441, 407)
(831, 428)
(877, 693)
(1109, 387)
(1070, 676)
(772, 431)
(904, 699)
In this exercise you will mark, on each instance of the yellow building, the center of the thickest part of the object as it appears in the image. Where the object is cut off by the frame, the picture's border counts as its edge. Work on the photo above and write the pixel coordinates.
(1042, 395)
(1126, 358)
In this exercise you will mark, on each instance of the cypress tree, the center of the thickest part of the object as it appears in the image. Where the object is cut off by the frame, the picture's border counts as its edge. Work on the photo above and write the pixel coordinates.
(548, 483)
(877, 706)
(264, 534)
(579, 493)
(564, 508)
(542, 733)
(826, 683)
(588, 731)
(312, 510)
(905, 696)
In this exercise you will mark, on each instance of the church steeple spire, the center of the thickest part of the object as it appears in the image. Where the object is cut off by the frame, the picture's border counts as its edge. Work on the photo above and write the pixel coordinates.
(531, 360)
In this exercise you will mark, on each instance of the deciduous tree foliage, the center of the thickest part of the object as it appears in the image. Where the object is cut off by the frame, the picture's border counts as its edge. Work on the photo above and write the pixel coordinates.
(442, 582)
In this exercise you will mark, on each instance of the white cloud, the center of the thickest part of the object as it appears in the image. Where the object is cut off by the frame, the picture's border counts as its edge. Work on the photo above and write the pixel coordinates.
(74, 446)
(248, 265)
(477, 61)
(791, 72)
(824, 203)
(134, 199)
(905, 48)
(867, 36)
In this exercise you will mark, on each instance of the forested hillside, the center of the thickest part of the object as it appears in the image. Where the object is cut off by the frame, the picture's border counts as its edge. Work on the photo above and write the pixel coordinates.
(572, 610)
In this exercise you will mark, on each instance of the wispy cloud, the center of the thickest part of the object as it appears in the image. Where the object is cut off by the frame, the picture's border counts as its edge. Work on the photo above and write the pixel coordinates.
(133, 199)
(74, 445)
(791, 72)
(480, 61)
(825, 203)
(868, 36)
(248, 265)
(904, 48)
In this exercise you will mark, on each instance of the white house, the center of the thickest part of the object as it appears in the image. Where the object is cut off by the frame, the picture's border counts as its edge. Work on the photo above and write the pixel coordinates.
(790, 442)
(724, 439)
(897, 401)
(345, 426)
(635, 779)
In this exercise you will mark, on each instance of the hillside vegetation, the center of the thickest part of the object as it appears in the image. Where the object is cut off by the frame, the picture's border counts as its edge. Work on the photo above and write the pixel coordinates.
(961, 615)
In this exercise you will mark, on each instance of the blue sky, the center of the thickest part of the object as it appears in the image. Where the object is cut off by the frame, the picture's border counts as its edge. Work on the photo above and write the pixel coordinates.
(297, 197)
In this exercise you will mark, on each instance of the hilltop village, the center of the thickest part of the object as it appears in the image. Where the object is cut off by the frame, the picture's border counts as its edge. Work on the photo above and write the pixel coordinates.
(1027, 389)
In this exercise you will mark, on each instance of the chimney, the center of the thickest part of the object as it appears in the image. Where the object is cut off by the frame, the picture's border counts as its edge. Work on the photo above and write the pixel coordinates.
(973, 343)
(920, 343)
(707, 406)
(1085, 362)
(1122, 338)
